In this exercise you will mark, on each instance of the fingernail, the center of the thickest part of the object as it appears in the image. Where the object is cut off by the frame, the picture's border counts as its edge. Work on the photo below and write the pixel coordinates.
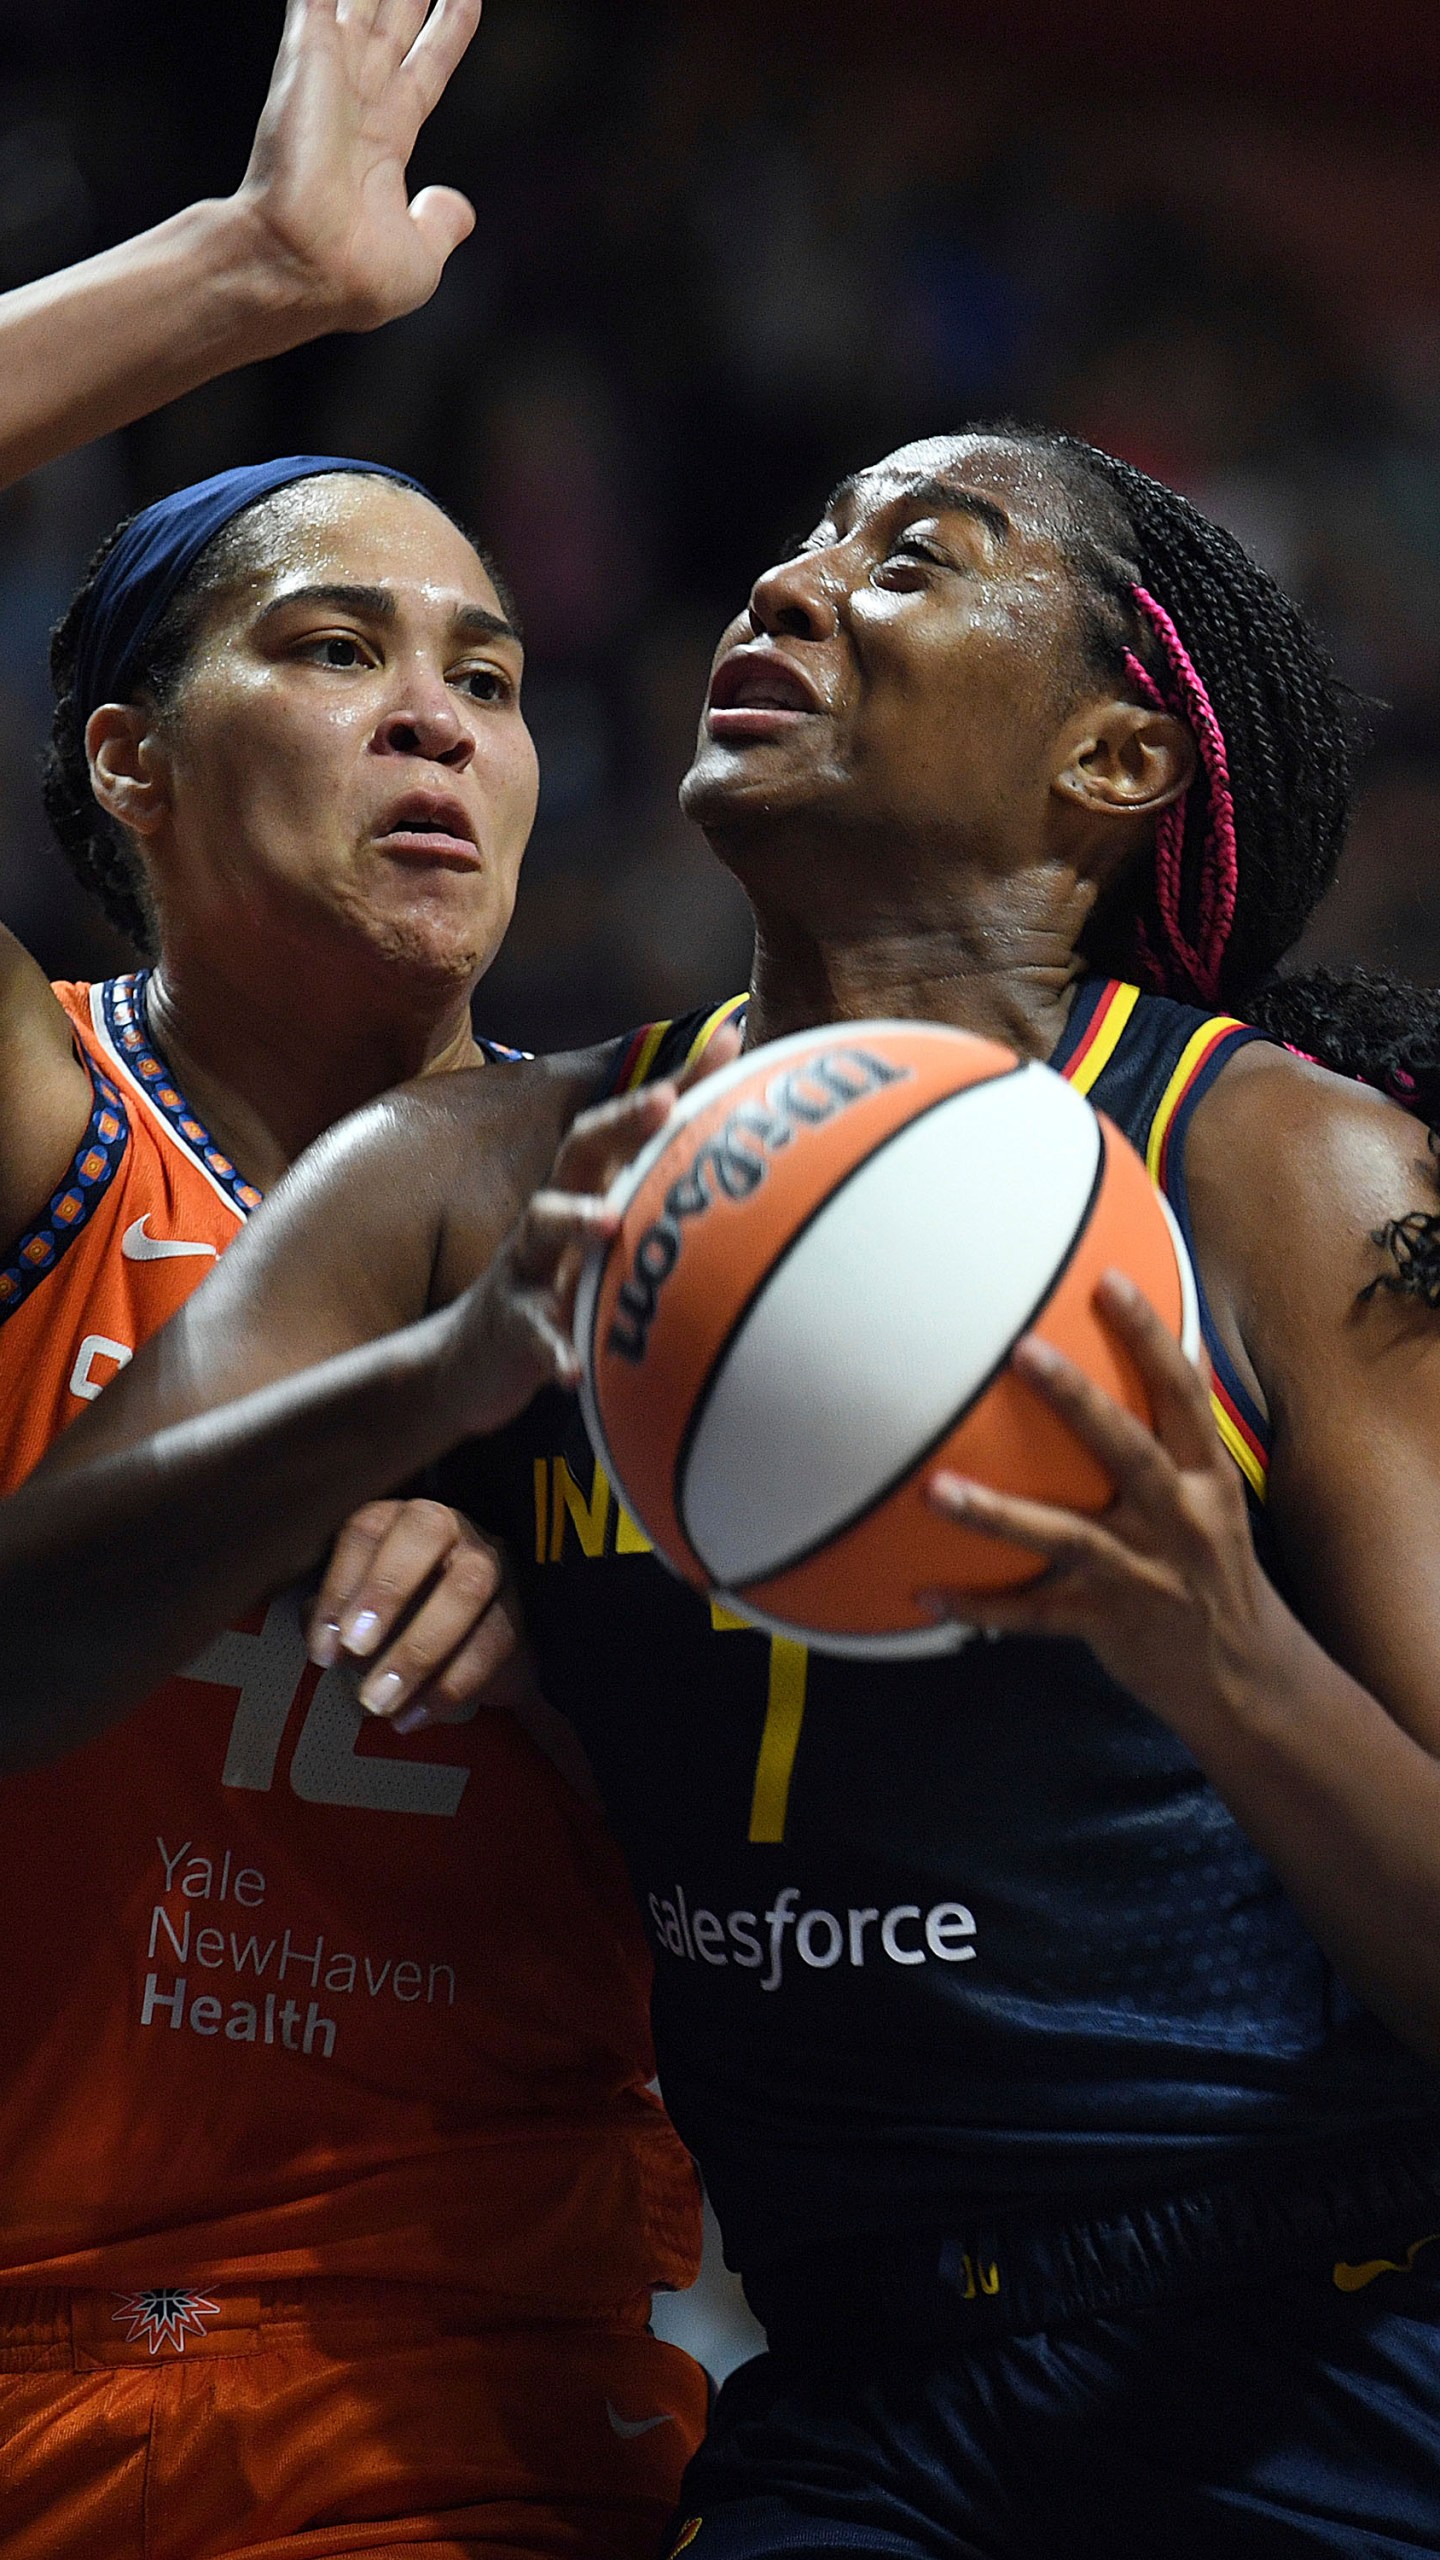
(950, 1493)
(934, 1603)
(410, 1719)
(1119, 1285)
(380, 1691)
(1036, 1354)
(362, 1632)
(325, 1644)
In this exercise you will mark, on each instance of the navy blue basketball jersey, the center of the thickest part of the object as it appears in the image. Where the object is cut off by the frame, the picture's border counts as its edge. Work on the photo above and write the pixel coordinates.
(974, 1927)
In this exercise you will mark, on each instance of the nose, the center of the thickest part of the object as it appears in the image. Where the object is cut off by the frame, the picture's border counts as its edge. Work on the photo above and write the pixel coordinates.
(425, 720)
(797, 598)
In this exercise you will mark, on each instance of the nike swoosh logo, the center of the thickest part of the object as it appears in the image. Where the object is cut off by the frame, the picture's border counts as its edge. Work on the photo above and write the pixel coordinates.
(636, 2426)
(138, 1247)
(1348, 2279)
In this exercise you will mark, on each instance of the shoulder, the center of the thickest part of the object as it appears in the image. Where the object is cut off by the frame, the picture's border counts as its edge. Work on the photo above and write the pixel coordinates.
(44, 1089)
(447, 1162)
(1295, 1175)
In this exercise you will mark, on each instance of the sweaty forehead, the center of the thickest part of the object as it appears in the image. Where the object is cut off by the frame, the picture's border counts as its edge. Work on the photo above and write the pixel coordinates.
(1013, 477)
(349, 530)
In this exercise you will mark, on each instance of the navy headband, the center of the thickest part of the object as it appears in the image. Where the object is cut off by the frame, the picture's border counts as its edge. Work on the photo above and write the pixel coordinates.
(140, 575)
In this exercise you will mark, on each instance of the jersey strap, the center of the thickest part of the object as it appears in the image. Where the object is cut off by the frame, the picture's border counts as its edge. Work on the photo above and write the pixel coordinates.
(92, 1170)
(1114, 1030)
(669, 1048)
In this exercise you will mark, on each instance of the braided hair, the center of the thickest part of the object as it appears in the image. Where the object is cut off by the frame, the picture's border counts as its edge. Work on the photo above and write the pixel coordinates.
(100, 851)
(1174, 610)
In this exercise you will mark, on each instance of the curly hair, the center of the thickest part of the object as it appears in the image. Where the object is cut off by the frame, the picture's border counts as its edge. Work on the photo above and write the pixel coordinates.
(101, 853)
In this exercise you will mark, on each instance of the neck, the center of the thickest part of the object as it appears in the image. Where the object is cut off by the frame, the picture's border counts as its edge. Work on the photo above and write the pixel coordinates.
(270, 1065)
(1014, 985)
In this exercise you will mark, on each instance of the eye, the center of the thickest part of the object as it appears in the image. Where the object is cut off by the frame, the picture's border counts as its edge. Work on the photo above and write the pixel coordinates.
(336, 649)
(485, 684)
(906, 562)
(913, 546)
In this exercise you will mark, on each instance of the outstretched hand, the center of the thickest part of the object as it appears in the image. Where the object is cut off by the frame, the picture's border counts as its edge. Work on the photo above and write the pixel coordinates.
(354, 81)
(1165, 1585)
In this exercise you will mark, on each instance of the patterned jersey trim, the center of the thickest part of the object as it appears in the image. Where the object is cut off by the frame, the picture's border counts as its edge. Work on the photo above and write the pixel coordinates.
(92, 1170)
(126, 1026)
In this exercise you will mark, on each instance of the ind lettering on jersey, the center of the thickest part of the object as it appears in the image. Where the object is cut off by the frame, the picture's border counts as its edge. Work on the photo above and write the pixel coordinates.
(731, 1165)
(571, 1517)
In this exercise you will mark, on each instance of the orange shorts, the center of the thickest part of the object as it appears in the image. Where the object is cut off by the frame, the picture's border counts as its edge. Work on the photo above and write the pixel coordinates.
(311, 2421)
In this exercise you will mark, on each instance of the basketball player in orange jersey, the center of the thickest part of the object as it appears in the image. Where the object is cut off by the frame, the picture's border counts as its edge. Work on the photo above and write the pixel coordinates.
(331, 2191)
(1112, 2231)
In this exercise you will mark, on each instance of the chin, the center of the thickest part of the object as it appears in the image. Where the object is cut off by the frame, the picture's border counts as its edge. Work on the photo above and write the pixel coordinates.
(439, 951)
(724, 790)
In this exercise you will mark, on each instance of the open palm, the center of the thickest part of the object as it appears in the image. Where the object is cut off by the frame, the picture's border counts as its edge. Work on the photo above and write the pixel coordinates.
(354, 81)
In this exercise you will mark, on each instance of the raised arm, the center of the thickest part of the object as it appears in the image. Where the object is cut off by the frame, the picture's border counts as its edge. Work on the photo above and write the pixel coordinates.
(336, 1349)
(319, 235)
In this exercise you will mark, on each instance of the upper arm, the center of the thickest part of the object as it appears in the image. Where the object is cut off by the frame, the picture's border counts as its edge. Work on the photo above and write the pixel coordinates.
(1350, 1373)
(390, 1214)
(44, 1090)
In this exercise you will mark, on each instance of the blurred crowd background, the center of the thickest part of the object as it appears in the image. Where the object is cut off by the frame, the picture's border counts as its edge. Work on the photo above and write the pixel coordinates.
(727, 252)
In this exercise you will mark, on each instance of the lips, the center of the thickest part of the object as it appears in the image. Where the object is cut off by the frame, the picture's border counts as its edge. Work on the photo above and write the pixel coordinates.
(429, 826)
(758, 693)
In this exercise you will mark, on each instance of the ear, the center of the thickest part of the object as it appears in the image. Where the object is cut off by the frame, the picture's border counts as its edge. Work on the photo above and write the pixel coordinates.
(129, 769)
(1121, 760)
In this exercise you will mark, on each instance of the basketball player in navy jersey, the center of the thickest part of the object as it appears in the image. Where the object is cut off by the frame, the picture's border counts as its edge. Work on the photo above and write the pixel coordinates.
(1105, 2224)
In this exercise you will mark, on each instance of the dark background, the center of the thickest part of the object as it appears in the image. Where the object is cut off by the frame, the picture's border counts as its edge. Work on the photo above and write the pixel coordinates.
(724, 253)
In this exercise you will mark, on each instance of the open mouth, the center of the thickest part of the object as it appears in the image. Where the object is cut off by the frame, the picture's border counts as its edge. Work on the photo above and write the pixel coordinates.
(757, 693)
(426, 827)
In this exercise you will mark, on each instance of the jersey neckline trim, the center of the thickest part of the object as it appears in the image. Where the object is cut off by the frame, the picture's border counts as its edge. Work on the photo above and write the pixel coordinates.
(118, 1010)
(92, 1169)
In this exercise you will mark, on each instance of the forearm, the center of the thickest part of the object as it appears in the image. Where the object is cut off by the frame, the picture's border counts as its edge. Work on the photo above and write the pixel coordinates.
(1346, 1806)
(115, 1569)
(89, 349)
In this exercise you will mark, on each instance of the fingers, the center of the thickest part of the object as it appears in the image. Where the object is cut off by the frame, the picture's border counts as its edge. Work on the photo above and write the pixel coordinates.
(1179, 1391)
(439, 47)
(602, 1142)
(1126, 1448)
(349, 1558)
(443, 218)
(398, 23)
(457, 1639)
(1058, 1537)
(409, 1549)
(555, 1224)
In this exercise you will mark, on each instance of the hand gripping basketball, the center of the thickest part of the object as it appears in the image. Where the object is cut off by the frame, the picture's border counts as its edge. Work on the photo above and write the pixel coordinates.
(1165, 1585)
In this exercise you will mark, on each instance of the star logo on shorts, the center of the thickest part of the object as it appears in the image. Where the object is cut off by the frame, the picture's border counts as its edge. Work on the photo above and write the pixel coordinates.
(164, 2315)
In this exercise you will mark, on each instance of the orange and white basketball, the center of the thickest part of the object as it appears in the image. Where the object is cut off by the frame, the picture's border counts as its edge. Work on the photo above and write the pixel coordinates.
(825, 1261)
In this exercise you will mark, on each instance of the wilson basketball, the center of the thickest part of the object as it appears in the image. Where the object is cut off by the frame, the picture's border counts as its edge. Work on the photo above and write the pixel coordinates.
(824, 1264)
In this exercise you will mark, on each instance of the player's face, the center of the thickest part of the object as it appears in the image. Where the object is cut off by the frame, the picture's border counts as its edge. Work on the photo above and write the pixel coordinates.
(904, 673)
(346, 755)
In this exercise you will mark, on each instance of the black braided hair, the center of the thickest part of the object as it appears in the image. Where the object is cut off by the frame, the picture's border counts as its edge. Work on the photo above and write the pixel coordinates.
(1276, 698)
(101, 853)
(1290, 732)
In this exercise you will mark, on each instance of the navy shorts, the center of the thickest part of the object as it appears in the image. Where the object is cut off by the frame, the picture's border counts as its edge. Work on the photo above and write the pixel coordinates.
(1263, 2419)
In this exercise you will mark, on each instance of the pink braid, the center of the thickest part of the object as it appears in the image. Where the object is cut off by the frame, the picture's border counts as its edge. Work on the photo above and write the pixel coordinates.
(1219, 878)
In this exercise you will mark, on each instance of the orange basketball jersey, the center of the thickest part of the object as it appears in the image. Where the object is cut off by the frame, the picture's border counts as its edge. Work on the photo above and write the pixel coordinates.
(286, 1994)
